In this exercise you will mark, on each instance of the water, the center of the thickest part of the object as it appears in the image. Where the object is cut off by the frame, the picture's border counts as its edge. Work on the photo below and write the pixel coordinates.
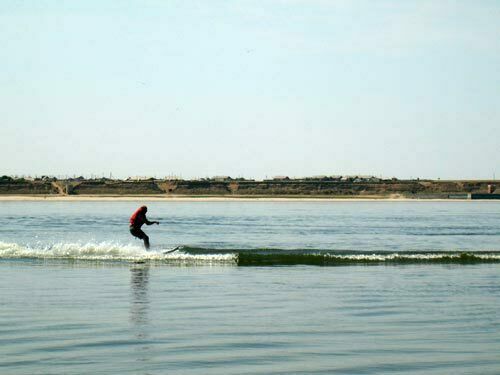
(417, 290)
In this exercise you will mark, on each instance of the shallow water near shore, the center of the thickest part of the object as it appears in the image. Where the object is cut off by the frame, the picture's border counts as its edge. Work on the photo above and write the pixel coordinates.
(414, 288)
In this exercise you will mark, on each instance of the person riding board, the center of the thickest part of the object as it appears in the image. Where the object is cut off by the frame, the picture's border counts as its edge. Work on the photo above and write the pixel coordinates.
(137, 219)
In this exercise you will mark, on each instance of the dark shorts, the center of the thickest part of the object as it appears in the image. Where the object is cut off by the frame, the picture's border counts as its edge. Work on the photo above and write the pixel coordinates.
(137, 232)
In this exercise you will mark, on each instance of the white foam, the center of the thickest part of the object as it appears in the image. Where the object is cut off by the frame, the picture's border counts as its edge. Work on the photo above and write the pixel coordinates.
(104, 251)
(411, 256)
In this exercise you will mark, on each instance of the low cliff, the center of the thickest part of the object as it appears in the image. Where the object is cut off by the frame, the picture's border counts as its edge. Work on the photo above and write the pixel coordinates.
(290, 188)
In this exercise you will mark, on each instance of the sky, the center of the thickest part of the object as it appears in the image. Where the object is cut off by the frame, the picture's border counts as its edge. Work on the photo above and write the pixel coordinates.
(250, 89)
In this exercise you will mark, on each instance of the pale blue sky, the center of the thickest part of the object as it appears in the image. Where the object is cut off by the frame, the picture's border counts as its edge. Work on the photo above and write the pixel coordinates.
(250, 88)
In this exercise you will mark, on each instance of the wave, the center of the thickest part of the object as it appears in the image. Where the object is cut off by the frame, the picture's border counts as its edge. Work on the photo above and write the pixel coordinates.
(277, 257)
(107, 251)
(329, 259)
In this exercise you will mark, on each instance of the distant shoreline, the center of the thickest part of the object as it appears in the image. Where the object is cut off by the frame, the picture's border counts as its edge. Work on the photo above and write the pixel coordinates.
(194, 198)
(227, 189)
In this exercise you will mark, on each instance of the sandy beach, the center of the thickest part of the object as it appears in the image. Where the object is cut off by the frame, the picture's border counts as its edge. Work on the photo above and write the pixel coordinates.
(180, 198)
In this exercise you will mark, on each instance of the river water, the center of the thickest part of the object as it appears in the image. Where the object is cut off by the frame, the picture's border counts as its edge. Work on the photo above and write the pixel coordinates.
(256, 288)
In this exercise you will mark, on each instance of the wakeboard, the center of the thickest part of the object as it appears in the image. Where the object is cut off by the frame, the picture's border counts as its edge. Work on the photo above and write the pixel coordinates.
(171, 250)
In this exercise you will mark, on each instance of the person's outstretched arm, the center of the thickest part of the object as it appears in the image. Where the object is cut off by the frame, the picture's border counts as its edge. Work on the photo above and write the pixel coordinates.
(147, 222)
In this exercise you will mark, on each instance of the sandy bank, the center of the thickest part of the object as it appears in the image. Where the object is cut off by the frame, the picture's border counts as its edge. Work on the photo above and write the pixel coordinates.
(178, 198)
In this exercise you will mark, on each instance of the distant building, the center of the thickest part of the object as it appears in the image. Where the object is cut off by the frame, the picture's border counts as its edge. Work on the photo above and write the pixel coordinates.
(176, 178)
(139, 178)
(281, 178)
(48, 178)
(221, 178)
(366, 179)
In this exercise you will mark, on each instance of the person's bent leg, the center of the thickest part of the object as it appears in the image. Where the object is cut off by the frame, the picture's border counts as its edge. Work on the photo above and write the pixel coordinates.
(146, 242)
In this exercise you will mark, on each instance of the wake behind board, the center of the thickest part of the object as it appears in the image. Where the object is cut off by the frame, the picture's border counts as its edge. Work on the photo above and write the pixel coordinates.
(141, 261)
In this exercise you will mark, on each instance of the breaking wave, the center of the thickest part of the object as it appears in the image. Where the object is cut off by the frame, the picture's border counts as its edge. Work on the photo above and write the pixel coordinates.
(107, 251)
(277, 257)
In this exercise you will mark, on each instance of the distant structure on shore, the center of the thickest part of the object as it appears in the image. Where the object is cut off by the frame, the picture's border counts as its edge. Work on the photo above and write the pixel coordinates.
(277, 186)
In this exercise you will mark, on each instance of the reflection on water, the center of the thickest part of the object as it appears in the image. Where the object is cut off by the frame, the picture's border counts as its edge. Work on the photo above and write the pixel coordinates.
(139, 310)
(139, 299)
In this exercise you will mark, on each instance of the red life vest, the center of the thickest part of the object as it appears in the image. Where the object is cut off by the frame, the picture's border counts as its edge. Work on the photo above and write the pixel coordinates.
(138, 218)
